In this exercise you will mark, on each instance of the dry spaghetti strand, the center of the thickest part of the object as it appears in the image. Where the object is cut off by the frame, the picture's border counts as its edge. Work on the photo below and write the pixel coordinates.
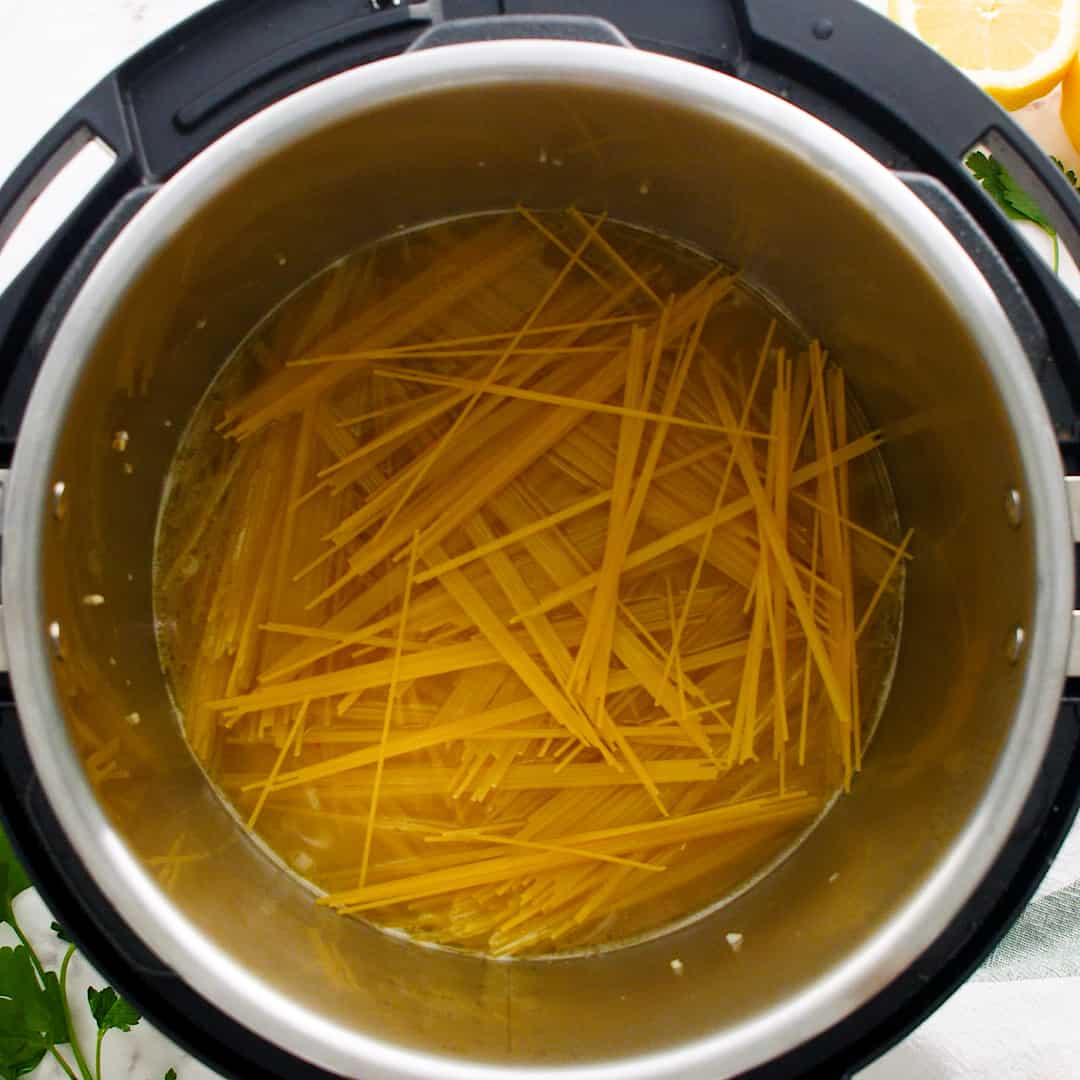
(527, 583)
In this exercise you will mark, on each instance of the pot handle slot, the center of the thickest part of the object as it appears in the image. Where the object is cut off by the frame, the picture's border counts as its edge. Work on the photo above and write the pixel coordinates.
(97, 118)
(1060, 202)
(586, 28)
(1038, 175)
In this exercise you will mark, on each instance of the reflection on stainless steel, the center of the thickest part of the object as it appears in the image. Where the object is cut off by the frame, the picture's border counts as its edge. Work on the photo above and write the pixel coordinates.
(1014, 644)
(674, 148)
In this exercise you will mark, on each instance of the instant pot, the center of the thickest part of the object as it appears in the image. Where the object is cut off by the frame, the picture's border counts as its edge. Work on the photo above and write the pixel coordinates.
(809, 143)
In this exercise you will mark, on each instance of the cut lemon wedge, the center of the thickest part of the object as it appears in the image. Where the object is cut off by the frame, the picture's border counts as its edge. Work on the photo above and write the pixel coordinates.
(1016, 50)
(1070, 103)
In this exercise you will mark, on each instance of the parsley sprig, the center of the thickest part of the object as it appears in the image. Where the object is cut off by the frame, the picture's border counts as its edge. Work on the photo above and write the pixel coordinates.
(110, 1011)
(35, 1014)
(1010, 196)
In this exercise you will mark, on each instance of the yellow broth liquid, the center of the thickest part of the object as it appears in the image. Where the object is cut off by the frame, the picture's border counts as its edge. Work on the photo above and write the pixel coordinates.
(250, 593)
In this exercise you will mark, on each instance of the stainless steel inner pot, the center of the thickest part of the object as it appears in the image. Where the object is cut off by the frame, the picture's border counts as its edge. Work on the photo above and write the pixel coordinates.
(815, 223)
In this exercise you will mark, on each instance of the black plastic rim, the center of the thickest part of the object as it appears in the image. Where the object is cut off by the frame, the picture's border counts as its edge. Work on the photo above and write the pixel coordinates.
(188, 87)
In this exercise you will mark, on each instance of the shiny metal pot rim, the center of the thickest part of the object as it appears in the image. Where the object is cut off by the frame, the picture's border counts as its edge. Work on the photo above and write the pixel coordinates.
(136, 897)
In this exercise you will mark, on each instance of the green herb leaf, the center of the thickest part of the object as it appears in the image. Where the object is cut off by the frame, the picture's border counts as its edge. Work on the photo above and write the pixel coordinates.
(57, 1031)
(18, 1057)
(101, 1001)
(170, 1075)
(110, 1010)
(1006, 192)
(13, 879)
(1069, 174)
(60, 932)
(27, 1016)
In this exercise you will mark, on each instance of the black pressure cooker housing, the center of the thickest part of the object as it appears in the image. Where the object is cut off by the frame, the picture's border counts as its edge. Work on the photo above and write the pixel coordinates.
(833, 58)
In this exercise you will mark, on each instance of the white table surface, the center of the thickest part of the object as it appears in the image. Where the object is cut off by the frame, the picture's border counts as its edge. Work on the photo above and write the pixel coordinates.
(1019, 1019)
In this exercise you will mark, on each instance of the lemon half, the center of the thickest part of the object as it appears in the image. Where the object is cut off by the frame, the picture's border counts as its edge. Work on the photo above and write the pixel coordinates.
(1016, 50)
